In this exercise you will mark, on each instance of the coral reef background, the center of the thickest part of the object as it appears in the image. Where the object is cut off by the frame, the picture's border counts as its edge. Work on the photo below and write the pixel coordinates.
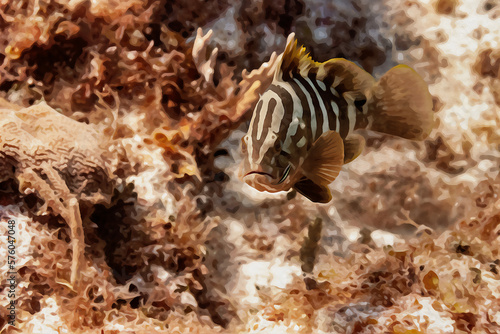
(174, 242)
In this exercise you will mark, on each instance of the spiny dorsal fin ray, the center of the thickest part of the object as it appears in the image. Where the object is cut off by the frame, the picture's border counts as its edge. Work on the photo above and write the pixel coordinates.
(325, 158)
(343, 73)
(294, 59)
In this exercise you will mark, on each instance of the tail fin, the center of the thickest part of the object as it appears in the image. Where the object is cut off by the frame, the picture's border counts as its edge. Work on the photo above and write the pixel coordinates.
(401, 104)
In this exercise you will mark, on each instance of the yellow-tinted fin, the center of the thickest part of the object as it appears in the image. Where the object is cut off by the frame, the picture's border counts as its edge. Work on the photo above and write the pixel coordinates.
(346, 76)
(294, 59)
(314, 192)
(324, 159)
(401, 104)
(353, 146)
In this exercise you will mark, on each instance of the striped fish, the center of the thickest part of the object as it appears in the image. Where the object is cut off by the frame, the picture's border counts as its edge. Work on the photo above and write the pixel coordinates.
(301, 132)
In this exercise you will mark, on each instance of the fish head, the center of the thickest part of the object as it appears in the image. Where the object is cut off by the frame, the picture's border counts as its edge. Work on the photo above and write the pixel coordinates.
(266, 166)
(273, 173)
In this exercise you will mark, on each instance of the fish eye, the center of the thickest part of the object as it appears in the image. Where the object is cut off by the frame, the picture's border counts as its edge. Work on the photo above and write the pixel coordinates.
(277, 145)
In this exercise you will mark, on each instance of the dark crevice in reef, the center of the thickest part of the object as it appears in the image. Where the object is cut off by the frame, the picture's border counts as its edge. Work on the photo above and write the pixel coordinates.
(122, 243)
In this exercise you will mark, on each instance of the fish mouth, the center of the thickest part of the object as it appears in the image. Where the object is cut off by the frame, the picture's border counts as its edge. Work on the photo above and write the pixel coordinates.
(261, 181)
(258, 173)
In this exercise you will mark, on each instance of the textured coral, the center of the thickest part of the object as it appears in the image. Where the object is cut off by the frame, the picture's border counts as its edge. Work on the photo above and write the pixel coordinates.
(58, 159)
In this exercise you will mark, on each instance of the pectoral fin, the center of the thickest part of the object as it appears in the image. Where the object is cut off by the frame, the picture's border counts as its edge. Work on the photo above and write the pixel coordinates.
(353, 146)
(324, 159)
(314, 192)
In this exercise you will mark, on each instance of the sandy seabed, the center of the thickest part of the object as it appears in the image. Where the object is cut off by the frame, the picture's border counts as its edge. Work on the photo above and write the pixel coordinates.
(139, 111)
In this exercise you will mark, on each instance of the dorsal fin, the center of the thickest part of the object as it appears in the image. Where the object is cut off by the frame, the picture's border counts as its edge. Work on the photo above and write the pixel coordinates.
(293, 60)
(346, 76)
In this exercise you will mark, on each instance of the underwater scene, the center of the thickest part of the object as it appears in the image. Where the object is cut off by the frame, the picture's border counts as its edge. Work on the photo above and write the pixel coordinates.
(216, 166)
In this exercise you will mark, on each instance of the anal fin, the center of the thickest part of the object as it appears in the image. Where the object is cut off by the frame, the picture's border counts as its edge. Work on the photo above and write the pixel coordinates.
(353, 146)
(314, 192)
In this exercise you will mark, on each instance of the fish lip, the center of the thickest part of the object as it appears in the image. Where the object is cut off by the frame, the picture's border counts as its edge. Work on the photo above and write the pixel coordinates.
(259, 173)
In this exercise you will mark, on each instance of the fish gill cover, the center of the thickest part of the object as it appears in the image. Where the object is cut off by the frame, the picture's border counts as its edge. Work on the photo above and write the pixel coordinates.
(124, 119)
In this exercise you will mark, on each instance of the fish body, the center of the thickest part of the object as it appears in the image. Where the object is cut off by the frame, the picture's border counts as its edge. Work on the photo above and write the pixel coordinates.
(301, 132)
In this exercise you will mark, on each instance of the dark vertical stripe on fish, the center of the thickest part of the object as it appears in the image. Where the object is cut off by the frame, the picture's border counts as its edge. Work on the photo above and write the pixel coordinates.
(329, 81)
(268, 120)
(306, 117)
(317, 109)
(328, 98)
(343, 117)
(287, 100)
(269, 115)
